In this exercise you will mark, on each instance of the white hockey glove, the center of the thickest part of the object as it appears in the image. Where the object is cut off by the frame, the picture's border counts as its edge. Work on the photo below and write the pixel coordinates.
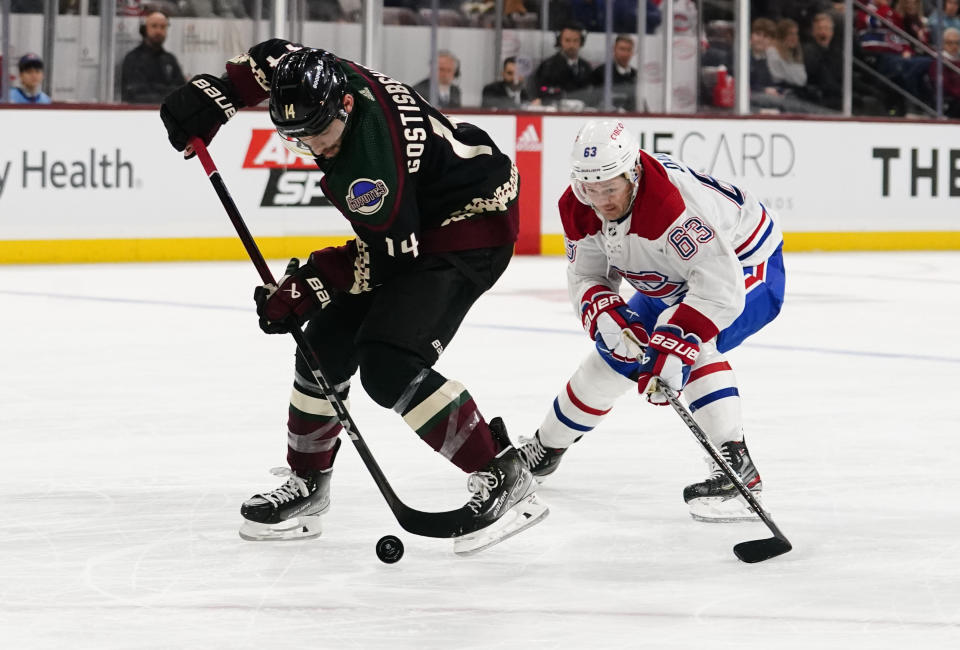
(612, 324)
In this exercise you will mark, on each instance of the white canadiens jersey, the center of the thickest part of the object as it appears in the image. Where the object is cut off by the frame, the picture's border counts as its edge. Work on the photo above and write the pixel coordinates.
(689, 239)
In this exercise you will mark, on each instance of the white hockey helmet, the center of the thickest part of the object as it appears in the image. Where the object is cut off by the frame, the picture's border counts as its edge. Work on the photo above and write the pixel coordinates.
(604, 149)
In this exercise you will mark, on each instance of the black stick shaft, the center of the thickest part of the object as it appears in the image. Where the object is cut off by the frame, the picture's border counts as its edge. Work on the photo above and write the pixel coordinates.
(721, 462)
(433, 524)
(231, 207)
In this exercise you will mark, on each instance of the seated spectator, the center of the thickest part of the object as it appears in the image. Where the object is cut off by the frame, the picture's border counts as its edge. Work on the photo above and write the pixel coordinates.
(624, 77)
(889, 53)
(763, 89)
(31, 80)
(765, 94)
(149, 72)
(913, 22)
(823, 61)
(509, 92)
(564, 76)
(937, 23)
(785, 58)
(448, 70)
(875, 35)
(951, 79)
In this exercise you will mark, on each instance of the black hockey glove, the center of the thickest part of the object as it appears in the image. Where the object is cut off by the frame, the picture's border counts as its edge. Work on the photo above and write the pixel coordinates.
(298, 295)
(198, 109)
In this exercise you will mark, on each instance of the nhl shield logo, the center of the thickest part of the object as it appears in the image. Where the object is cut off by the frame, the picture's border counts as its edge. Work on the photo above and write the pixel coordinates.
(366, 196)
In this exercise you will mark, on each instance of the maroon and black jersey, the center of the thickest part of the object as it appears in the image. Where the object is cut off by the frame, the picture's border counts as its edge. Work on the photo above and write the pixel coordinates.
(410, 179)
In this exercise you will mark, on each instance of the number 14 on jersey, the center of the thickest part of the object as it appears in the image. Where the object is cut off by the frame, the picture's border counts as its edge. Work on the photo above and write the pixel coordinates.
(409, 245)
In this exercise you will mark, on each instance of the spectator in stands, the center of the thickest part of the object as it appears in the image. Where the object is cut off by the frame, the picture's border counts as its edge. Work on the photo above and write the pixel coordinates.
(936, 23)
(785, 57)
(448, 71)
(873, 30)
(913, 22)
(823, 60)
(149, 72)
(888, 52)
(564, 75)
(764, 93)
(624, 95)
(31, 79)
(508, 93)
(951, 79)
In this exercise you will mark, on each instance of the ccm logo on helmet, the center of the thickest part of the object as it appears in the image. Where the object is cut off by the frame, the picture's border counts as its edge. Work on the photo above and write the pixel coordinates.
(218, 97)
(617, 131)
(676, 346)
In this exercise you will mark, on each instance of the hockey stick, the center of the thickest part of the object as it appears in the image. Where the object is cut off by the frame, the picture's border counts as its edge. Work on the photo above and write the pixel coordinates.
(756, 550)
(452, 523)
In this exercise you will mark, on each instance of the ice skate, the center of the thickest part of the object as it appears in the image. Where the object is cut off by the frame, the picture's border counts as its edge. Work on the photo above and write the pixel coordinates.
(504, 497)
(716, 499)
(292, 511)
(538, 458)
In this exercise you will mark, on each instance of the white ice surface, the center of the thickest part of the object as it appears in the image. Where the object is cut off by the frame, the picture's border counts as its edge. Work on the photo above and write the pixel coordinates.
(140, 404)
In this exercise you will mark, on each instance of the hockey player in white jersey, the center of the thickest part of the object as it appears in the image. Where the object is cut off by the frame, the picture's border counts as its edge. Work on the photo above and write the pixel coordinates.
(704, 258)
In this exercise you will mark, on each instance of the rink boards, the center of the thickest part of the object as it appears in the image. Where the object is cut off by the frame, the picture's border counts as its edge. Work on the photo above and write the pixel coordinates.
(104, 185)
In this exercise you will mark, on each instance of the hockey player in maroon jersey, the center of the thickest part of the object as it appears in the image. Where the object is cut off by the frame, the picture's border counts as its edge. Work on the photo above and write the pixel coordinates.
(433, 206)
(704, 258)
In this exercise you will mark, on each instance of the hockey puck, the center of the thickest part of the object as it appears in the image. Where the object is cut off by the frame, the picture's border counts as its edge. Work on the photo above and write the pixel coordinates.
(389, 549)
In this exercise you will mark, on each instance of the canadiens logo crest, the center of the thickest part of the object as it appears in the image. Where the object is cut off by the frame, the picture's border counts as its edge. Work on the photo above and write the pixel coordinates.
(366, 196)
(571, 249)
(652, 283)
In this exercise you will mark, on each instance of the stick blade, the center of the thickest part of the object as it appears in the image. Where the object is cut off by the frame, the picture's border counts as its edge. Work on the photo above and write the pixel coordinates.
(758, 550)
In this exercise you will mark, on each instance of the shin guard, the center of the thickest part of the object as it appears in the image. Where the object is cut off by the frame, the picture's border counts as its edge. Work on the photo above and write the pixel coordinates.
(584, 402)
(447, 419)
(312, 426)
(714, 398)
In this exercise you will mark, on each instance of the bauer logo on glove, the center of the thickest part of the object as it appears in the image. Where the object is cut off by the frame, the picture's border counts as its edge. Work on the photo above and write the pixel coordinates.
(669, 359)
(218, 97)
(613, 325)
(668, 343)
(297, 296)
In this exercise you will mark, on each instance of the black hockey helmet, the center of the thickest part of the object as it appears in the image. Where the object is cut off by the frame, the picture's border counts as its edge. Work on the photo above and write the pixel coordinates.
(307, 93)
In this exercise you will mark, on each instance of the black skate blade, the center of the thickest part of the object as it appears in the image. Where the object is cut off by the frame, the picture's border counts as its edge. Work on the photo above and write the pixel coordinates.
(758, 550)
